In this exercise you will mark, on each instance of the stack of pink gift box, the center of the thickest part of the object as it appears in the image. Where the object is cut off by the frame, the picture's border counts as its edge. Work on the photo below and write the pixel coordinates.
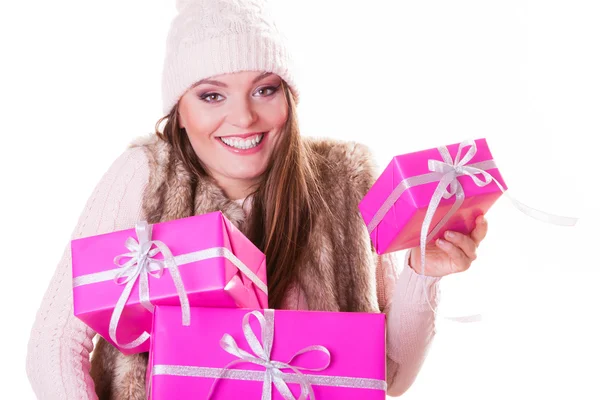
(193, 292)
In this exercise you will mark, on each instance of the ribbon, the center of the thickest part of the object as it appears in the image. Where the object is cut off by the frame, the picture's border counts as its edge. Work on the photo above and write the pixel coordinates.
(273, 373)
(447, 173)
(141, 264)
(448, 187)
(213, 252)
(262, 357)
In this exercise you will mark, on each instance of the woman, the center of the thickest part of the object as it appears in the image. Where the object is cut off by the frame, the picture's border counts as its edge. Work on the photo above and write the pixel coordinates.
(231, 142)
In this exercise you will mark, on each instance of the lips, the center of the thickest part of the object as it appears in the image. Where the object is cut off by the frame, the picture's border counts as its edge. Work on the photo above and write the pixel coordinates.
(248, 143)
(241, 143)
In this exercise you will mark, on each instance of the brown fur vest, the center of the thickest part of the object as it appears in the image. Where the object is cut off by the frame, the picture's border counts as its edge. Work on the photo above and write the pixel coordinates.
(338, 271)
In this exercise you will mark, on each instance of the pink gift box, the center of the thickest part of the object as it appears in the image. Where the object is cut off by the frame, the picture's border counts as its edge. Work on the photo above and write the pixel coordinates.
(400, 226)
(185, 361)
(210, 282)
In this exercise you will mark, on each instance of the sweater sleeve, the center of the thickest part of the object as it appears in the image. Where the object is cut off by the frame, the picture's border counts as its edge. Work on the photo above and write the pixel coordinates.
(410, 322)
(58, 356)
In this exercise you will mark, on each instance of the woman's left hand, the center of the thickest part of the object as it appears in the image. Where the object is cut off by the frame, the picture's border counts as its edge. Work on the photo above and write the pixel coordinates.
(454, 253)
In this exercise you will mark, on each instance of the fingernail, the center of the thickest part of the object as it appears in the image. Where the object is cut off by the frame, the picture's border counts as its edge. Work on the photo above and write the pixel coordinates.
(450, 234)
(442, 243)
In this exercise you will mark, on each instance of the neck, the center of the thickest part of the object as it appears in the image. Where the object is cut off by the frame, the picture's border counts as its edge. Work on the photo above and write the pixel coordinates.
(236, 189)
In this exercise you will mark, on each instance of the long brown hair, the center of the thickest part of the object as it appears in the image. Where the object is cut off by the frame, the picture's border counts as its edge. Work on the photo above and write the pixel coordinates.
(284, 204)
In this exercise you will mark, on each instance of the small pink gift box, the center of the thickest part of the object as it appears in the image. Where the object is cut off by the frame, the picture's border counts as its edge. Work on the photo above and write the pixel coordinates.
(395, 207)
(200, 261)
(334, 355)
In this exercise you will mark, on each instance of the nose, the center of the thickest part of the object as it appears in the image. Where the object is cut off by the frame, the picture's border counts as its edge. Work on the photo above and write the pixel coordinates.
(242, 113)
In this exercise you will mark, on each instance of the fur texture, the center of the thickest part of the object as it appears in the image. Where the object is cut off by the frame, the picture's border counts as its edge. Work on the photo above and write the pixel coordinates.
(337, 271)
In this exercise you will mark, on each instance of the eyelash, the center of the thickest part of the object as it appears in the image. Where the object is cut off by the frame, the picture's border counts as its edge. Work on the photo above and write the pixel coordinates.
(205, 96)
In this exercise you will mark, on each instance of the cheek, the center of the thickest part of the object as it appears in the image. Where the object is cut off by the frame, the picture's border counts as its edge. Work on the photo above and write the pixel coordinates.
(200, 125)
(278, 116)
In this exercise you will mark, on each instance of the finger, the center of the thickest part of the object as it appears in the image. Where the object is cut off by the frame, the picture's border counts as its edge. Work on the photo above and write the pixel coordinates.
(463, 242)
(480, 230)
(458, 257)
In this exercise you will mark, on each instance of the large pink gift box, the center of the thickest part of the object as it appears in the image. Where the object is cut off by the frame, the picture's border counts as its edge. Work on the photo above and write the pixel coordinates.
(395, 207)
(206, 261)
(336, 355)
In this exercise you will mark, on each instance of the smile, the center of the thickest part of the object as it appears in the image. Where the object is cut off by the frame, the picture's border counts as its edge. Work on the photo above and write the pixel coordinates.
(243, 144)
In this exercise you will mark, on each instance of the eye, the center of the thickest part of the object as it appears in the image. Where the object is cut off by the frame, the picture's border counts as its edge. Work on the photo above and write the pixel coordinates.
(266, 91)
(211, 97)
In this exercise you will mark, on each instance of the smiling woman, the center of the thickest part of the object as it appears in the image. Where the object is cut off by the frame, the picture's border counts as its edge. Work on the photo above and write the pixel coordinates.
(231, 142)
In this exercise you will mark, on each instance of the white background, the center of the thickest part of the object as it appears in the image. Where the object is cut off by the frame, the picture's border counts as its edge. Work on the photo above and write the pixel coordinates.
(79, 80)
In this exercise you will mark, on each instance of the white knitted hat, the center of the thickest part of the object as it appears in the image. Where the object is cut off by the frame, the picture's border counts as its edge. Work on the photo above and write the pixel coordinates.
(213, 37)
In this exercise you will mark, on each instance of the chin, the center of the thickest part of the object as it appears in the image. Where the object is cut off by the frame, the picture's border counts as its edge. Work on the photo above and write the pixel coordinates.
(251, 172)
(247, 175)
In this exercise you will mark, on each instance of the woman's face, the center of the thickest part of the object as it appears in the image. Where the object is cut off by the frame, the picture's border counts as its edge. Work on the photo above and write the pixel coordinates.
(233, 122)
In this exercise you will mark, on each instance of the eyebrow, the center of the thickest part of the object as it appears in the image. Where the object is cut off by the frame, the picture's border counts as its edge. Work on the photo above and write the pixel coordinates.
(221, 84)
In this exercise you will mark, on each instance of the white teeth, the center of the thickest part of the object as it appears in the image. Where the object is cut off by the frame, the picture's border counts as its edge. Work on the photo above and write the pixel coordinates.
(243, 144)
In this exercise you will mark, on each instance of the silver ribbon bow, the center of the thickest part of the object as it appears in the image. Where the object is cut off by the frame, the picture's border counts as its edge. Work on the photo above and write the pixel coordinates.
(262, 357)
(141, 264)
